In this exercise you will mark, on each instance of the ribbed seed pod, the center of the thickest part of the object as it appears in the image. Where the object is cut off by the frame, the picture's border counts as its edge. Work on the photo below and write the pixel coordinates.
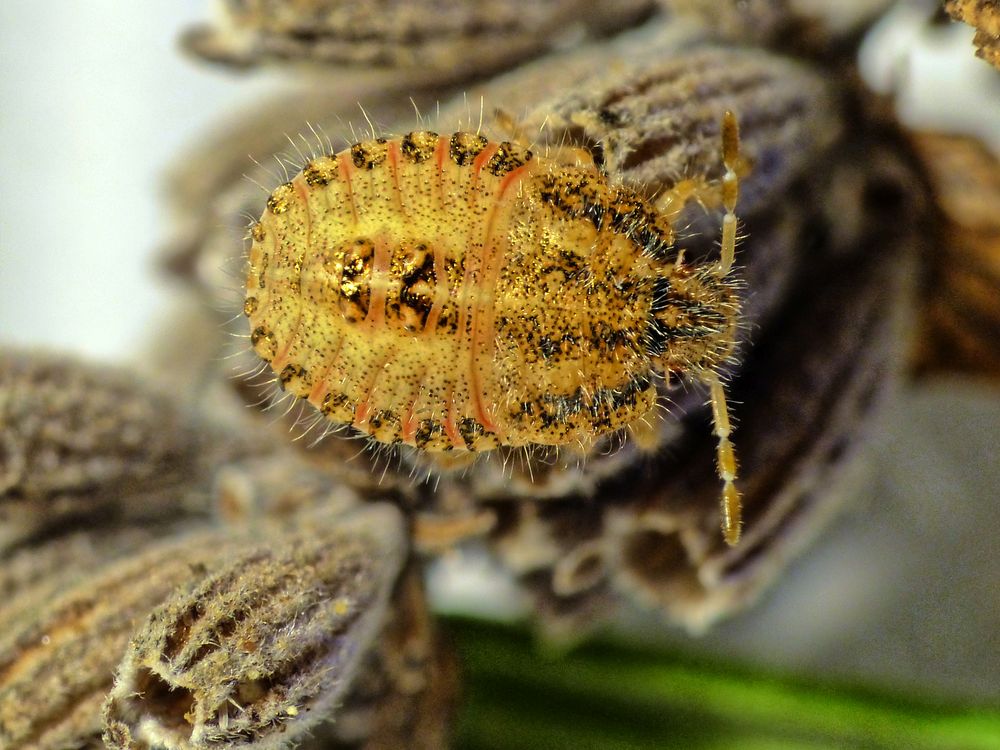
(439, 39)
(960, 331)
(278, 488)
(82, 439)
(802, 25)
(649, 107)
(811, 408)
(654, 116)
(405, 691)
(32, 576)
(261, 644)
(62, 639)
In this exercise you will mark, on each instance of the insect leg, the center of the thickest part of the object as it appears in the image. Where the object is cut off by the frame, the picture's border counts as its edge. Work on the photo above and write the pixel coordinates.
(726, 458)
(712, 193)
(730, 190)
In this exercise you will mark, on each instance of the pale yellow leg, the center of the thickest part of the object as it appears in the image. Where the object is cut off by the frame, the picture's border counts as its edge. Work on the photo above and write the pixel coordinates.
(726, 459)
(731, 507)
(730, 190)
(712, 193)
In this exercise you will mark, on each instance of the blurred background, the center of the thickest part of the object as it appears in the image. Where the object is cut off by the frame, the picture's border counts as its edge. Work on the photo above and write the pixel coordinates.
(902, 591)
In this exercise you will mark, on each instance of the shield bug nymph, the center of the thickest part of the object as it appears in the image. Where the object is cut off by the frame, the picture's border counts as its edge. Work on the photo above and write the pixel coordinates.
(457, 294)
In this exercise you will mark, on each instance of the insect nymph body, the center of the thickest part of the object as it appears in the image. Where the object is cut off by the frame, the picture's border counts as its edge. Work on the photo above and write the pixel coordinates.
(458, 295)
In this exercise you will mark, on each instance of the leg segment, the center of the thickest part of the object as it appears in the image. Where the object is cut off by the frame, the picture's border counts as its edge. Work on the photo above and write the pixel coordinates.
(713, 193)
(731, 510)
(726, 460)
(730, 190)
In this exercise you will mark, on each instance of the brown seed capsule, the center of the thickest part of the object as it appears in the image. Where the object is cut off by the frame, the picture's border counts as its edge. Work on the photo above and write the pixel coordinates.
(960, 331)
(429, 39)
(78, 437)
(277, 488)
(82, 439)
(984, 15)
(262, 645)
(633, 109)
(800, 25)
(63, 636)
(31, 576)
(651, 117)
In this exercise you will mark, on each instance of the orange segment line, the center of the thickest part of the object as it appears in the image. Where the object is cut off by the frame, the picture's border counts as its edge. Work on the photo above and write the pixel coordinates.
(302, 192)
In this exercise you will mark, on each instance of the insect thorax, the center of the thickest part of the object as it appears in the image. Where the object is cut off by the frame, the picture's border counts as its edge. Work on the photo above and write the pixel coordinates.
(453, 293)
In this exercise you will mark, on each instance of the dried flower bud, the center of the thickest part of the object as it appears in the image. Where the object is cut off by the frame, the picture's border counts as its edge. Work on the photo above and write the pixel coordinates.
(439, 39)
(261, 647)
(262, 490)
(810, 391)
(77, 438)
(984, 15)
(32, 575)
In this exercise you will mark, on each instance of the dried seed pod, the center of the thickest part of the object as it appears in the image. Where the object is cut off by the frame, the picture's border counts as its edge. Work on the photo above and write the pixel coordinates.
(32, 575)
(60, 644)
(984, 15)
(261, 646)
(429, 39)
(406, 692)
(960, 331)
(89, 440)
(263, 490)
(801, 25)
(654, 118)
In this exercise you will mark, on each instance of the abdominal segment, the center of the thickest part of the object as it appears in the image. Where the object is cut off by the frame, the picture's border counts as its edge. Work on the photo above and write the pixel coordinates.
(362, 289)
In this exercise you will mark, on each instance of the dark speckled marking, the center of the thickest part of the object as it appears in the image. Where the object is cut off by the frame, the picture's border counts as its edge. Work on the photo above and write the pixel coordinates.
(318, 174)
(419, 145)
(507, 158)
(465, 147)
(369, 154)
(263, 342)
(289, 372)
(281, 198)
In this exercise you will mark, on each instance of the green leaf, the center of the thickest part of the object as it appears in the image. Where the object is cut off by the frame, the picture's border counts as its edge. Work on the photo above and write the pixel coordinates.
(616, 697)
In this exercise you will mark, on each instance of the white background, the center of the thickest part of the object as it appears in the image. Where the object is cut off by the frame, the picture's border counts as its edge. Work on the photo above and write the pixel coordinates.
(95, 100)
